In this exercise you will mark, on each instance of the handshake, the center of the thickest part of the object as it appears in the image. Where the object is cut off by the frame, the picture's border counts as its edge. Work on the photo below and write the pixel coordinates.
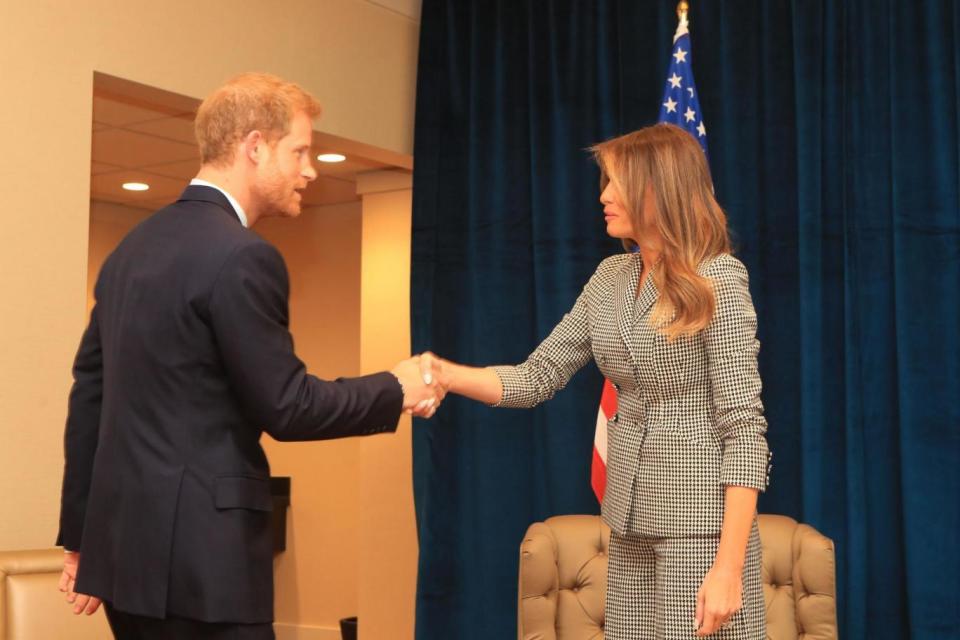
(424, 382)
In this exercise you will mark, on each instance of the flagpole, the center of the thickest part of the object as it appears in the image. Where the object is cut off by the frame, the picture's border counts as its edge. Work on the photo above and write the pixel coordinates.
(682, 8)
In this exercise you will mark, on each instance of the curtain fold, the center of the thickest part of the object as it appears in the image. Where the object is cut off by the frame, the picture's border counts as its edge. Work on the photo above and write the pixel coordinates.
(834, 145)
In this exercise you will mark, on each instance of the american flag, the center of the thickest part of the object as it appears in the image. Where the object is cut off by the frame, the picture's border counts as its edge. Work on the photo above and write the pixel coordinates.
(680, 106)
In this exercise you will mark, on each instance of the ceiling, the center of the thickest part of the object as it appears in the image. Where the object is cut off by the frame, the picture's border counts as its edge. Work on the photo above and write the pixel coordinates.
(136, 141)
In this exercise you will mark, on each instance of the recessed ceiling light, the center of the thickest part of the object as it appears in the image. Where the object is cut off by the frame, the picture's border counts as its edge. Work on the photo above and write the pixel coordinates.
(331, 157)
(136, 186)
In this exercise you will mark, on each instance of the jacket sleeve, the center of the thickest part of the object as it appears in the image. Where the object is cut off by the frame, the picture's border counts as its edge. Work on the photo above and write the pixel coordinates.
(81, 434)
(732, 349)
(552, 364)
(249, 315)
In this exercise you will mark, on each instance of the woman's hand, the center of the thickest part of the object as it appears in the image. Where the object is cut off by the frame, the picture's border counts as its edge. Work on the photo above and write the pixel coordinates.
(719, 597)
(477, 383)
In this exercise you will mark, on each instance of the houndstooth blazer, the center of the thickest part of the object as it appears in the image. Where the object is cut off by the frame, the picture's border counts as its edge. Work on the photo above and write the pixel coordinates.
(689, 420)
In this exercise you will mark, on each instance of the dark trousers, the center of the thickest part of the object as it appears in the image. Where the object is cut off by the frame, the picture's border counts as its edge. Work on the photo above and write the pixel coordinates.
(127, 626)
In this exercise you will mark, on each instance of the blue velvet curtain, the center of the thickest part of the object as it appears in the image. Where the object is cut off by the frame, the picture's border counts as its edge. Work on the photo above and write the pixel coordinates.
(834, 143)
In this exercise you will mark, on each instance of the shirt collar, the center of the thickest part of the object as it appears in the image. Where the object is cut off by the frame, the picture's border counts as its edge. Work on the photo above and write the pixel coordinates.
(197, 182)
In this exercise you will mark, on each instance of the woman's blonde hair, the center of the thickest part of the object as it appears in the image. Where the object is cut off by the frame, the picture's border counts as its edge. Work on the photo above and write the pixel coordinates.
(249, 102)
(669, 161)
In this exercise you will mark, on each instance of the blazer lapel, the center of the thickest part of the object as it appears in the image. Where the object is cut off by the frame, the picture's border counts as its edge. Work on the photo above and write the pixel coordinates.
(625, 292)
(648, 295)
(633, 308)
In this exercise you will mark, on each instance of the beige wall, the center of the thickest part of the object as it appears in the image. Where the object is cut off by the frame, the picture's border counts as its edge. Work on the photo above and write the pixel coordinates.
(388, 563)
(316, 577)
(359, 59)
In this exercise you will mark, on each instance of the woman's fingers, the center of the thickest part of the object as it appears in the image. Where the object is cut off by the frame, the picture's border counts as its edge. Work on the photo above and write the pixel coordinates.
(698, 614)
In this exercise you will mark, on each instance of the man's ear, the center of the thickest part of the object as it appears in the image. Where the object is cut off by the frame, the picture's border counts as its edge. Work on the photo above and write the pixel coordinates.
(253, 146)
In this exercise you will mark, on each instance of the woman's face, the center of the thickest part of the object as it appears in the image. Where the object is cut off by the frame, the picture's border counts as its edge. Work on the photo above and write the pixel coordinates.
(615, 214)
(619, 223)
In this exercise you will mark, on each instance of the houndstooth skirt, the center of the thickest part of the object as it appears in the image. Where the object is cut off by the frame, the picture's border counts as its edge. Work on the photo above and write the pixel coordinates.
(652, 588)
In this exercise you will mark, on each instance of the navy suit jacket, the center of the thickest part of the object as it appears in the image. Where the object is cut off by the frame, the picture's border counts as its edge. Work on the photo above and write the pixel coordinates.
(186, 361)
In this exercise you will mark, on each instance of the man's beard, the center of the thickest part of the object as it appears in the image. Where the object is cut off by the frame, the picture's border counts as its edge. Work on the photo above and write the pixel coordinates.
(274, 197)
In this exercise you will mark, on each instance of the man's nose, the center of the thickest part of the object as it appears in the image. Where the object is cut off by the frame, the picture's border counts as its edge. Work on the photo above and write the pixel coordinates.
(309, 172)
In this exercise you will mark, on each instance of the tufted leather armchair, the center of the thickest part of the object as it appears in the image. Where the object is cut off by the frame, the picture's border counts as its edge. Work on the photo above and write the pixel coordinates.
(563, 580)
(31, 607)
(799, 580)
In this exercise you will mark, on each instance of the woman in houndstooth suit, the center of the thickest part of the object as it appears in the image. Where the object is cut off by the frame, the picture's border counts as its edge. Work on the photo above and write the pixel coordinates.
(671, 324)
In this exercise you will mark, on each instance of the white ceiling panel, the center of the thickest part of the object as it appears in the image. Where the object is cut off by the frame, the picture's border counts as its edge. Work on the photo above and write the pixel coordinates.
(130, 149)
(158, 203)
(110, 186)
(118, 114)
(179, 129)
(132, 143)
(183, 170)
(96, 168)
(347, 169)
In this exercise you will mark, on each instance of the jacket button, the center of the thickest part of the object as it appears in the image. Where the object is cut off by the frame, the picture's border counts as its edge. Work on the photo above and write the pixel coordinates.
(616, 387)
(616, 417)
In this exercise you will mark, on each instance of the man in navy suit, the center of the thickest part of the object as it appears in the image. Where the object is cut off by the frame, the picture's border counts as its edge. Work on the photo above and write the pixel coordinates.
(186, 361)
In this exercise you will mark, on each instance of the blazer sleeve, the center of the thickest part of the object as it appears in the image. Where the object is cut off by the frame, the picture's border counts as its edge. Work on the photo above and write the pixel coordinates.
(81, 434)
(553, 363)
(249, 315)
(732, 349)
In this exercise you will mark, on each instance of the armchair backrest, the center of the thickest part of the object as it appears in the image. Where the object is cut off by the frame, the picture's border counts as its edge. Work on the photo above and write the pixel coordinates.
(32, 608)
(563, 579)
(799, 580)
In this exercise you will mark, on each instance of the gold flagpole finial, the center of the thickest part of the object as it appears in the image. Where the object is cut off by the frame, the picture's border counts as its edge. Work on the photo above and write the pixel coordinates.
(682, 8)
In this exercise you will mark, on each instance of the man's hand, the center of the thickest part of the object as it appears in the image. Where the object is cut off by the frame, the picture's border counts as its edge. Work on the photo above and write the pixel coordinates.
(81, 603)
(423, 382)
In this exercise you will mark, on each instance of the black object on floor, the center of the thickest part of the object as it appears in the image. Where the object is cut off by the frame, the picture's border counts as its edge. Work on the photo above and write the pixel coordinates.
(280, 492)
(348, 628)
